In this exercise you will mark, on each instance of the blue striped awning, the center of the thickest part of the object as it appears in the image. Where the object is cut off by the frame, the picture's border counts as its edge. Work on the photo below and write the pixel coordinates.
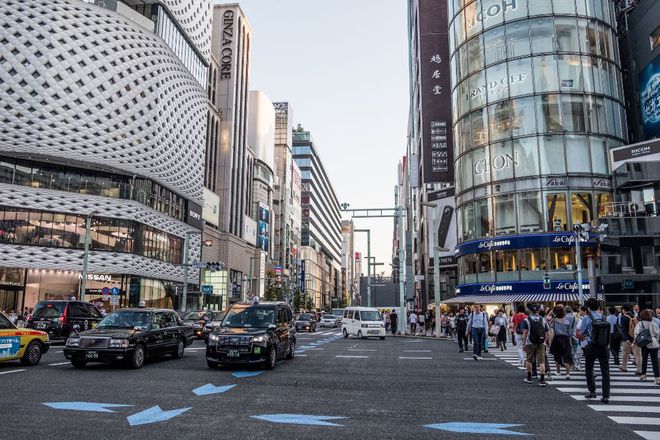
(528, 298)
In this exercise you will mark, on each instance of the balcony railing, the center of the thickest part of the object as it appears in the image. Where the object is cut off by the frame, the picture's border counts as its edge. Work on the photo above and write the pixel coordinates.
(629, 209)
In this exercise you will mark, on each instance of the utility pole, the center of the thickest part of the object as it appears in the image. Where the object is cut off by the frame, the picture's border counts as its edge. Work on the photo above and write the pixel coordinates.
(402, 282)
(368, 231)
(88, 239)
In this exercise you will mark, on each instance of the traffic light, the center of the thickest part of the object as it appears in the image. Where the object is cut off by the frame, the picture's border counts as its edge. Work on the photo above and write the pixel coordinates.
(214, 265)
(546, 282)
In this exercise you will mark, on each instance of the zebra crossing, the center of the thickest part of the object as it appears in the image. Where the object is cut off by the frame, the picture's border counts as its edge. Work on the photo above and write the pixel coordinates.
(633, 403)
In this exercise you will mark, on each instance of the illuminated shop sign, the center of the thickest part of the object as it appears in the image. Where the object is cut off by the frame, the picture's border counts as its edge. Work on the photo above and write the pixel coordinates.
(532, 241)
(522, 287)
(492, 11)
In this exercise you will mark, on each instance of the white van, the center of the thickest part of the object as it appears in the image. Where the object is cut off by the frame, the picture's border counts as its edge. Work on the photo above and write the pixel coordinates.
(362, 322)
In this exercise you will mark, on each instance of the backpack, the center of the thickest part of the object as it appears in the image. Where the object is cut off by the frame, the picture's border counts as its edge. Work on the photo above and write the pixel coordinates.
(536, 330)
(618, 334)
(644, 337)
(600, 332)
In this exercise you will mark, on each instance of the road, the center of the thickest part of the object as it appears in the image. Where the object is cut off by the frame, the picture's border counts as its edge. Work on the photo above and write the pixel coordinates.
(384, 390)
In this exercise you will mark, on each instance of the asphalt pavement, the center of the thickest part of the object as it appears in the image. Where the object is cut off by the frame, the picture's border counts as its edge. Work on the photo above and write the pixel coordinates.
(349, 388)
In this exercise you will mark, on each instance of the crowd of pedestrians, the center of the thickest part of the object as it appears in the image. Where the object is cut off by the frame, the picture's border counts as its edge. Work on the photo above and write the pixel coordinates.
(18, 318)
(572, 341)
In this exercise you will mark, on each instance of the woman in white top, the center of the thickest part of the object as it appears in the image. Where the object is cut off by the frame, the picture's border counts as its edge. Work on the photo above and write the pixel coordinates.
(501, 321)
(651, 348)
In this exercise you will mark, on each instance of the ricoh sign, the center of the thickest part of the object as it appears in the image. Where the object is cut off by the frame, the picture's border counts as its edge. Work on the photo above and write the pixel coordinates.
(491, 12)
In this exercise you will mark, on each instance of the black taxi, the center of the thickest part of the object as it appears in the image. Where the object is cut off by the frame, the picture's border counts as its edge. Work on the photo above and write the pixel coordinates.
(253, 333)
(131, 336)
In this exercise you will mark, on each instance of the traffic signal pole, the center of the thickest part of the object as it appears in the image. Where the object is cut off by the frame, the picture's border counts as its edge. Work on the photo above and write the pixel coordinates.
(184, 294)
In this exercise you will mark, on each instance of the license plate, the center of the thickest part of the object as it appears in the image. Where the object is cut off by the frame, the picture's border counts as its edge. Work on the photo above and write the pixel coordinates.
(92, 355)
(42, 325)
(373, 332)
(234, 353)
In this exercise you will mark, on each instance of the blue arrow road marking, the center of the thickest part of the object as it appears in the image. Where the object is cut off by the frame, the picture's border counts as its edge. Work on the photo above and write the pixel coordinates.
(477, 428)
(209, 388)
(246, 373)
(85, 406)
(153, 415)
(299, 419)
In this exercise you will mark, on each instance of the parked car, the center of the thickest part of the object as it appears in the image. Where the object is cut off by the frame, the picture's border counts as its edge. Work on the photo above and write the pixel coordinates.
(329, 321)
(57, 318)
(20, 343)
(131, 336)
(362, 322)
(215, 322)
(305, 322)
(253, 334)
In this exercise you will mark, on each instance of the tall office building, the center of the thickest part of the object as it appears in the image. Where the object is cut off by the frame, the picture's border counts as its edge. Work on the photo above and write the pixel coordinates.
(429, 169)
(349, 280)
(94, 102)
(231, 235)
(537, 103)
(321, 223)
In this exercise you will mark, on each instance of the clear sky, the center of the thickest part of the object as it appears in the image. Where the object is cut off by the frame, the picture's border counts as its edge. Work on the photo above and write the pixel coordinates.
(342, 65)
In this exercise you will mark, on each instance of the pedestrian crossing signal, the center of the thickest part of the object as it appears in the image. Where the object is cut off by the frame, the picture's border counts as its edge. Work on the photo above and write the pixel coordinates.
(546, 282)
(214, 265)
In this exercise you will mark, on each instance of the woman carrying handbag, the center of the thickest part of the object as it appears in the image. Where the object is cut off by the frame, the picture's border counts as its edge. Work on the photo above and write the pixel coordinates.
(647, 334)
(501, 323)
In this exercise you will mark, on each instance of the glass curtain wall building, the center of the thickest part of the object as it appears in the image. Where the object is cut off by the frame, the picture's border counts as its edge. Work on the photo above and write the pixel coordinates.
(537, 103)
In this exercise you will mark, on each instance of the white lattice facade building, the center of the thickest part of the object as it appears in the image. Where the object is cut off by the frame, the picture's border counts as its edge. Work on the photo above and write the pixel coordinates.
(99, 117)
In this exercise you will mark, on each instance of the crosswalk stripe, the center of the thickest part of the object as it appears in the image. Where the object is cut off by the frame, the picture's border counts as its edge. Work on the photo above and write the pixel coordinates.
(613, 391)
(636, 420)
(648, 435)
(576, 381)
(647, 399)
(626, 408)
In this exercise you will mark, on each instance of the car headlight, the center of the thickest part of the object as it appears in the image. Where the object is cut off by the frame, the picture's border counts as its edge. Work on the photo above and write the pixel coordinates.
(259, 339)
(73, 342)
(382, 325)
(214, 337)
(118, 343)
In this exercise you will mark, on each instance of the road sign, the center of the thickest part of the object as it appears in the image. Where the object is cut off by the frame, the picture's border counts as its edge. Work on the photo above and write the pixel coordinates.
(115, 291)
(199, 265)
(628, 284)
(104, 297)
(105, 291)
(114, 300)
(207, 289)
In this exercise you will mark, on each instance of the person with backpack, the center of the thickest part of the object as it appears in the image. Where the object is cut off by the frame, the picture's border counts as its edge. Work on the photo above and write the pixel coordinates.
(561, 346)
(647, 335)
(478, 327)
(461, 330)
(617, 335)
(627, 323)
(394, 321)
(421, 319)
(595, 340)
(516, 320)
(412, 320)
(534, 334)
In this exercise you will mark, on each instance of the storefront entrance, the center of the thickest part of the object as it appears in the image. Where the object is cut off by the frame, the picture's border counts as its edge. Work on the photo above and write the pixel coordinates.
(10, 298)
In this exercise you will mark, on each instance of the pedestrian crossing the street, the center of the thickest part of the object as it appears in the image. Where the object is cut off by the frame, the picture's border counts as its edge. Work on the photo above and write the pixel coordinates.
(633, 403)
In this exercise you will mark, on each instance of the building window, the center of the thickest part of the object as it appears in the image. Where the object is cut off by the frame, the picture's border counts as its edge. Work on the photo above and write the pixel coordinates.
(626, 259)
(530, 212)
(654, 38)
(551, 153)
(581, 208)
(557, 213)
(505, 214)
(648, 257)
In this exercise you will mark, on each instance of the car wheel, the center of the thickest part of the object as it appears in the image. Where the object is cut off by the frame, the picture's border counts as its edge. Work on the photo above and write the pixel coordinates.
(78, 363)
(271, 359)
(212, 365)
(360, 334)
(292, 350)
(180, 348)
(382, 338)
(345, 334)
(32, 354)
(137, 360)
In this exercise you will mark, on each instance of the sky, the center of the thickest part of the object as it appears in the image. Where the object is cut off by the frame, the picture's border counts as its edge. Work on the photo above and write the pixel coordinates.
(342, 65)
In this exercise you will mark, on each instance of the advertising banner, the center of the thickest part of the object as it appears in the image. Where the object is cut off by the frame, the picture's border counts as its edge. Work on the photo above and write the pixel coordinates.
(250, 230)
(569, 286)
(648, 151)
(649, 89)
(263, 228)
(444, 219)
(437, 149)
(211, 209)
(532, 241)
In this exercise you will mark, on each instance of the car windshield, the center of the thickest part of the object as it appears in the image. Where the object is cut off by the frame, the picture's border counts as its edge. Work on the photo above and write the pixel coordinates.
(5, 324)
(370, 315)
(218, 316)
(192, 316)
(45, 310)
(304, 317)
(249, 317)
(329, 317)
(125, 319)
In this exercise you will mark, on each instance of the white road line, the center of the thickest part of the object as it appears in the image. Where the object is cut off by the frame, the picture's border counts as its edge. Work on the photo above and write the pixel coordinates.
(613, 391)
(626, 408)
(12, 371)
(416, 351)
(415, 357)
(315, 349)
(482, 359)
(636, 420)
(579, 381)
(361, 349)
(303, 355)
(640, 399)
(648, 435)
(59, 351)
(351, 357)
(59, 363)
(196, 348)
